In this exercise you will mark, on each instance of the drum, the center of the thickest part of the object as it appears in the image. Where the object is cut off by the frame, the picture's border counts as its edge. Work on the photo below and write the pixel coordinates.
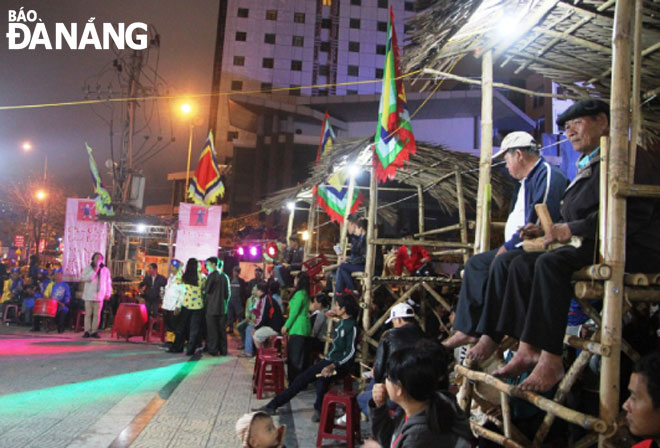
(45, 308)
(130, 320)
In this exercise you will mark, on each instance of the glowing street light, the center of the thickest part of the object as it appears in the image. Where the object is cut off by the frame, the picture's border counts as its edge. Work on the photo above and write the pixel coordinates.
(186, 108)
(40, 195)
(27, 146)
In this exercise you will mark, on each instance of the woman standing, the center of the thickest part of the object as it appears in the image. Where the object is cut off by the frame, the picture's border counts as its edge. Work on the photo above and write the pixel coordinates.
(192, 310)
(97, 288)
(298, 326)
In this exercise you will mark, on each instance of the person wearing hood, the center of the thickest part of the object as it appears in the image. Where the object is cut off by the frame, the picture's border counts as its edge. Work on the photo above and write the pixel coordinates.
(415, 381)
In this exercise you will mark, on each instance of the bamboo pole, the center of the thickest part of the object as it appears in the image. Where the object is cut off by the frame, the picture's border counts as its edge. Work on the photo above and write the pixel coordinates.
(440, 253)
(420, 208)
(578, 418)
(562, 391)
(616, 213)
(460, 199)
(289, 226)
(383, 318)
(438, 230)
(370, 260)
(506, 414)
(626, 190)
(493, 436)
(587, 346)
(635, 103)
(437, 296)
(347, 213)
(483, 202)
(311, 219)
(432, 243)
(602, 211)
(593, 272)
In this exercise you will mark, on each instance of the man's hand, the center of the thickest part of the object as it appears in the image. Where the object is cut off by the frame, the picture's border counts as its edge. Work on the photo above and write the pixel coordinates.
(284, 330)
(531, 231)
(501, 250)
(558, 232)
(328, 370)
(379, 394)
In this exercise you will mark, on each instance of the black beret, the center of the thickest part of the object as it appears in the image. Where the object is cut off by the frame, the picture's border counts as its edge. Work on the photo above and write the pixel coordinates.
(584, 108)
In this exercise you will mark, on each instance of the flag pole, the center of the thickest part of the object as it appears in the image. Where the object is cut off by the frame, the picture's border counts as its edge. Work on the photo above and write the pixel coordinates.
(185, 192)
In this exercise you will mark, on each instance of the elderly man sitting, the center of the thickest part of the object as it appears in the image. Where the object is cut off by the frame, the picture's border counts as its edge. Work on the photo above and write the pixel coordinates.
(535, 304)
(485, 274)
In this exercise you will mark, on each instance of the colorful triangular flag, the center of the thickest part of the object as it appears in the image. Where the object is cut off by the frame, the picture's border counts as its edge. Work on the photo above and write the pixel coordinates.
(333, 198)
(394, 142)
(103, 199)
(206, 184)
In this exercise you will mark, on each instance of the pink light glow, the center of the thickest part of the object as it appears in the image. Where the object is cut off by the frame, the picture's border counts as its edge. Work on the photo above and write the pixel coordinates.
(240, 251)
(253, 251)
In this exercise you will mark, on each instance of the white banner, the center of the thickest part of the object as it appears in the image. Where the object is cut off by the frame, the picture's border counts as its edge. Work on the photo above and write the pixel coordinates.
(83, 235)
(198, 235)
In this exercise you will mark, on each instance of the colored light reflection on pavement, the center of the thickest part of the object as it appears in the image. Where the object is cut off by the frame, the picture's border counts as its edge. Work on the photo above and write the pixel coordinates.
(47, 346)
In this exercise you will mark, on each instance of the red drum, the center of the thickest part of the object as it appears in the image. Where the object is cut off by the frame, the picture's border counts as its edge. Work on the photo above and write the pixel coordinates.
(130, 320)
(45, 308)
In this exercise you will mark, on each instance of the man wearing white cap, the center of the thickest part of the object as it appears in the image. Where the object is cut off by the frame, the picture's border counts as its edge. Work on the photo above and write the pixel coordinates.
(403, 334)
(486, 273)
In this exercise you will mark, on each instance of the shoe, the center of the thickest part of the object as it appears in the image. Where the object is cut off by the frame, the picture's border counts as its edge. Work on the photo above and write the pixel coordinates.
(189, 353)
(173, 350)
(316, 417)
(213, 353)
(266, 409)
(95, 335)
(245, 355)
(86, 334)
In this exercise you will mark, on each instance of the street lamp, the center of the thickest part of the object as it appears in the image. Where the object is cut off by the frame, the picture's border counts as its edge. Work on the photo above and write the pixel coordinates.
(40, 195)
(26, 146)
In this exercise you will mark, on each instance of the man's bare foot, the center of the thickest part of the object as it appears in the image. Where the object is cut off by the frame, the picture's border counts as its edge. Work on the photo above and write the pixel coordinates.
(457, 339)
(548, 372)
(525, 358)
(484, 348)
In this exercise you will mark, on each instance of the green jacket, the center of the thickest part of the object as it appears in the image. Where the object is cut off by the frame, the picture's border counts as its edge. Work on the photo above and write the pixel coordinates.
(342, 349)
(298, 322)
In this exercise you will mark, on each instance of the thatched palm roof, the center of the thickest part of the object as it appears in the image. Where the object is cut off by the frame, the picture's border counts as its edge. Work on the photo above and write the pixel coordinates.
(431, 167)
(567, 41)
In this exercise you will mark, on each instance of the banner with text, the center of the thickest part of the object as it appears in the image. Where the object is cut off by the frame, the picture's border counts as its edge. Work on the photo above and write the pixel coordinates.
(83, 235)
(198, 235)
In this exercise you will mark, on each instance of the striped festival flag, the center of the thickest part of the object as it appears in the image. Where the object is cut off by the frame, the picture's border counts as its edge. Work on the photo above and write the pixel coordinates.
(333, 197)
(394, 142)
(206, 185)
(103, 200)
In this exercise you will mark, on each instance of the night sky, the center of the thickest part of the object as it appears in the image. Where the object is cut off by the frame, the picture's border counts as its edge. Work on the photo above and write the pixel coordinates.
(187, 41)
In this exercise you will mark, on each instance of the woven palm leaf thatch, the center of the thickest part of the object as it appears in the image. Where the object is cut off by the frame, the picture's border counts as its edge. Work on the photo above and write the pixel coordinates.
(431, 167)
(566, 41)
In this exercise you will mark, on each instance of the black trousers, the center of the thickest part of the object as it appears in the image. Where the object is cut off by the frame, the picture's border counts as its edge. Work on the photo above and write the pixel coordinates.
(305, 378)
(170, 320)
(216, 334)
(190, 325)
(296, 356)
(234, 313)
(152, 307)
(484, 281)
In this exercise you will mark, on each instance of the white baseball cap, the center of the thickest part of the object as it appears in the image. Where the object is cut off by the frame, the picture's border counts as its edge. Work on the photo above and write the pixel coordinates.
(518, 139)
(400, 310)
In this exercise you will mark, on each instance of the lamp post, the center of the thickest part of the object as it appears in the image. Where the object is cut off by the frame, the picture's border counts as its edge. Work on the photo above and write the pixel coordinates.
(27, 147)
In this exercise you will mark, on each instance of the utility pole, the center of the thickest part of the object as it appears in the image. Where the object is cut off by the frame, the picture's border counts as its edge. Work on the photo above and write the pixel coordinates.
(126, 161)
(217, 66)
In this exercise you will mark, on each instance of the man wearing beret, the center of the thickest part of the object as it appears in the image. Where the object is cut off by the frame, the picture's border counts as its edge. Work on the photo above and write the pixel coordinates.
(534, 307)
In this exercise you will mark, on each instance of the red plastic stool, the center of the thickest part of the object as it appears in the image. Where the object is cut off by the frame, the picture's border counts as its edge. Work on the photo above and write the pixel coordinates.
(8, 307)
(261, 353)
(331, 400)
(270, 379)
(79, 324)
(160, 329)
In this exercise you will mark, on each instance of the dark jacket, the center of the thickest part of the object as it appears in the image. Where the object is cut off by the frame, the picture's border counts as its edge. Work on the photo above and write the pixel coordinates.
(152, 291)
(580, 205)
(358, 250)
(218, 291)
(271, 314)
(294, 258)
(342, 350)
(391, 341)
(545, 184)
(415, 431)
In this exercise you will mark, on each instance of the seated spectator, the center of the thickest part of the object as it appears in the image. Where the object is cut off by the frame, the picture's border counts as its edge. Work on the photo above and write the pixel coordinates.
(357, 231)
(643, 406)
(336, 364)
(274, 291)
(291, 261)
(319, 306)
(27, 303)
(414, 260)
(432, 418)
(60, 291)
(298, 327)
(404, 334)
(257, 430)
(251, 318)
(270, 320)
(12, 289)
(485, 274)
